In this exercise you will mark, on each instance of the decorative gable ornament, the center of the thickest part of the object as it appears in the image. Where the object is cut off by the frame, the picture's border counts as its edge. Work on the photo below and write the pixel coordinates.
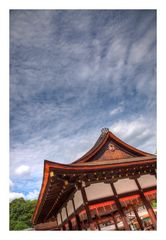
(104, 130)
(111, 147)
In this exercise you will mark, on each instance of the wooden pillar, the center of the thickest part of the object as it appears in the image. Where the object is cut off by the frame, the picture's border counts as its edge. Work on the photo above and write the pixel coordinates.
(114, 220)
(69, 222)
(120, 209)
(98, 224)
(97, 221)
(137, 216)
(147, 204)
(63, 227)
(78, 222)
(78, 226)
(85, 200)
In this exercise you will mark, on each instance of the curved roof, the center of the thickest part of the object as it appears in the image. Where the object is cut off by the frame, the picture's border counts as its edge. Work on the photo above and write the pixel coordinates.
(104, 137)
(95, 159)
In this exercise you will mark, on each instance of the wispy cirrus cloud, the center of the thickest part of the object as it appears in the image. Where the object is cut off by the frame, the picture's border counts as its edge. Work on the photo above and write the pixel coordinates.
(72, 73)
(137, 131)
(116, 110)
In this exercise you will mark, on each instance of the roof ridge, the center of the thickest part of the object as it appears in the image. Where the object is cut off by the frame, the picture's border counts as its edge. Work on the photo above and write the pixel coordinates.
(104, 131)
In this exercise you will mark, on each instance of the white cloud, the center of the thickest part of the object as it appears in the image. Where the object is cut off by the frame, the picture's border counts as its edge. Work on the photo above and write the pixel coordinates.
(117, 110)
(23, 169)
(29, 196)
(139, 132)
(32, 195)
(14, 195)
(140, 49)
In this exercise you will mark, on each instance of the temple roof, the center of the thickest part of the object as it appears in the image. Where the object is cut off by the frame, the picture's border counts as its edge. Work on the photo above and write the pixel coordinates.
(101, 150)
(108, 152)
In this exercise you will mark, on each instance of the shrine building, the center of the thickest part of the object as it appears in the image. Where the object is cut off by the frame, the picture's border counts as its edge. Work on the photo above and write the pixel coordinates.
(111, 187)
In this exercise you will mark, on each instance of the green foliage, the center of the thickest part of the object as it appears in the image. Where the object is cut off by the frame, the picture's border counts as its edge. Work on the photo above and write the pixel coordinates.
(21, 212)
(154, 204)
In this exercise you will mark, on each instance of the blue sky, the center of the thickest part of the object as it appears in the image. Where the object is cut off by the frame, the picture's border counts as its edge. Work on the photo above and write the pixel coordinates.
(72, 73)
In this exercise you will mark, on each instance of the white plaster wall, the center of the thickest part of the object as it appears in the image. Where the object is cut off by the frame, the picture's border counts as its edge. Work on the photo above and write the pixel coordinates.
(70, 208)
(64, 214)
(59, 219)
(78, 199)
(147, 181)
(98, 190)
(125, 185)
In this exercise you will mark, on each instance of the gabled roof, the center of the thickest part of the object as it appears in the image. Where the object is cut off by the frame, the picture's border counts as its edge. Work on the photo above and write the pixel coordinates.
(99, 157)
(100, 152)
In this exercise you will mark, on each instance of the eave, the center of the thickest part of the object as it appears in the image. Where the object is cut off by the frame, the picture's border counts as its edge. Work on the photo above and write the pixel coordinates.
(47, 192)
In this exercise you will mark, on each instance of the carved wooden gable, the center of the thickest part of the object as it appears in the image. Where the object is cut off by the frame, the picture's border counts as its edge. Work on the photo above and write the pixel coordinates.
(111, 151)
(108, 148)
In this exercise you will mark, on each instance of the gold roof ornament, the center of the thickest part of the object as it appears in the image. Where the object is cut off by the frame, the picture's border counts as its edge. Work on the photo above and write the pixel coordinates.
(52, 174)
(104, 130)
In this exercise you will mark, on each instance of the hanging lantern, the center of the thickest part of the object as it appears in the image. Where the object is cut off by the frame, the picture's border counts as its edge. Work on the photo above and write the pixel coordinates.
(52, 174)
(66, 182)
